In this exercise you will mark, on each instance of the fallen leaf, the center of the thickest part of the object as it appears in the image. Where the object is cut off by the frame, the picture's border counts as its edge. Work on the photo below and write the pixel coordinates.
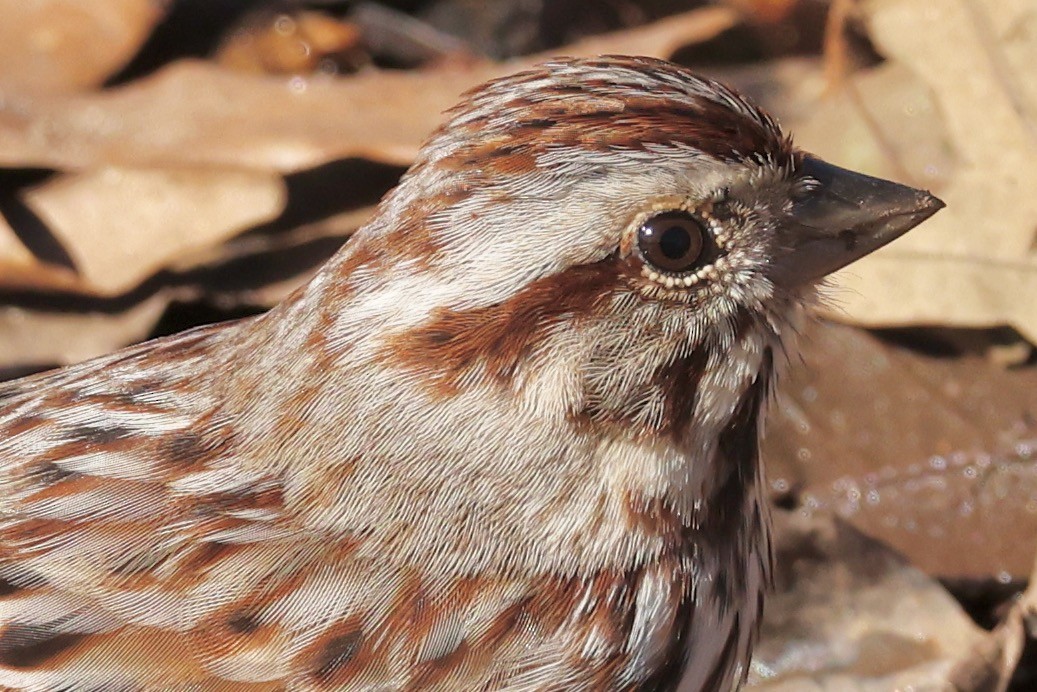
(975, 263)
(43, 338)
(993, 662)
(936, 457)
(19, 268)
(121, 225)
(659, 39)
(299, 42)
(262, 270)
(13, 254)
(61, 45)
(196, 114)
(849, 614)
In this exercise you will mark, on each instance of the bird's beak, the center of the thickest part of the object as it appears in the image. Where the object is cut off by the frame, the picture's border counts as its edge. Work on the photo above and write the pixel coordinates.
(845, 216)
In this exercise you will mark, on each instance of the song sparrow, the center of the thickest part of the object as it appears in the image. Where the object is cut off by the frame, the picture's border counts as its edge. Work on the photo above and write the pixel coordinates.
(505, 439)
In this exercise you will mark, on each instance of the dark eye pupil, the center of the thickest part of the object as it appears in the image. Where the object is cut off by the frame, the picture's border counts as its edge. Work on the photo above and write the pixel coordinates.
(675, 242)
(672, 242)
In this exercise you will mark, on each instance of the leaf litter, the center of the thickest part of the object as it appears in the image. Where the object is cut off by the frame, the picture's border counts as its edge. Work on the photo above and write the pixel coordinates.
(209, 184)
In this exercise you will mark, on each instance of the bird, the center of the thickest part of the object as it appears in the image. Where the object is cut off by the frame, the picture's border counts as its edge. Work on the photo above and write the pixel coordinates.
(507, 438)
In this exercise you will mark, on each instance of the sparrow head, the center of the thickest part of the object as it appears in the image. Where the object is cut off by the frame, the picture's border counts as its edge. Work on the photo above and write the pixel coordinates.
(605, 232)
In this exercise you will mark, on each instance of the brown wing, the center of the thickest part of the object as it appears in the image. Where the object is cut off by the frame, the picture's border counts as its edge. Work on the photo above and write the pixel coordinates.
(139, 548)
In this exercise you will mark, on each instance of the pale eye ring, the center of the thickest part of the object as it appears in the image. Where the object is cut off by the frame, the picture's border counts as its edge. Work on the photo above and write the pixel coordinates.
(673, 242)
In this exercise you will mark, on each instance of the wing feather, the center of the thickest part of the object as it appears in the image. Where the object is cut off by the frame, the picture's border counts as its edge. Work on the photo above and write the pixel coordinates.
(140, 548)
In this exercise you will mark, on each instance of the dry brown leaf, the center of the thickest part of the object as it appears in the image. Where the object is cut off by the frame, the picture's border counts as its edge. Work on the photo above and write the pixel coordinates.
(19, 268)
(196, 114)
(885, 121)
(43, 338)
(975, 263)
(849, 614)
(121, 225)
(290, 43)
(261, 270)
(765, 11)
(59, 45)
(659, 39)
(992, 663)
(936, 457)
(14, 256)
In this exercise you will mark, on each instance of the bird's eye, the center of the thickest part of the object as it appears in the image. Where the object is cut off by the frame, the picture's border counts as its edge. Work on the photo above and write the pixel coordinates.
(672, 242)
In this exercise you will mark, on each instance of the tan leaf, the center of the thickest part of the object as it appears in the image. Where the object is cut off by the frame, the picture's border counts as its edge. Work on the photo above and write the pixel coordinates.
(19, 268)
(660, 39)
(120, 225)
(849, 614)
(58, 45)
(991, 665)
(975, 263)
(197, 114)
(45, 338)
(13, 254)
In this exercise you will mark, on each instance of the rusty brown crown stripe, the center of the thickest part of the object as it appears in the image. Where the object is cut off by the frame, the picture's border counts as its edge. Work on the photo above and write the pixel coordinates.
(601, 114)
(707, 127)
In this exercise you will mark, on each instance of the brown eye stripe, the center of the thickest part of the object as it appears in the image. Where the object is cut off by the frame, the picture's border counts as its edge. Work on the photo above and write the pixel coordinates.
(496, 338)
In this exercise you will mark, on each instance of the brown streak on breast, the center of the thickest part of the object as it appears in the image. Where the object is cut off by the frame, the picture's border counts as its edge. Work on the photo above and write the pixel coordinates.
(411, 607)
(203, 556)
(47, 472)
(337, 656)
(21, 539)
(432, 673)
(679, 383)
(28, 646)
(191, 450)
(117, 400)
(24, 424)
(239, 627)
(74, 484)
(85, 440)
(97, 435)
(8, 588)
(266, 497)
(492, 341)
(295, 415)
(132, 391)
(418, 615)
(505, 624)
(653, 517)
